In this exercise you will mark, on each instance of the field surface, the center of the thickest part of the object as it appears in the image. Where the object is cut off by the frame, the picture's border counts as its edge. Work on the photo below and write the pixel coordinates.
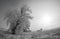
(51, 34)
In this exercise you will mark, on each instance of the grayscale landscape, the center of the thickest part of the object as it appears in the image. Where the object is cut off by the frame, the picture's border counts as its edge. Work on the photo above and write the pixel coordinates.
(29, 19)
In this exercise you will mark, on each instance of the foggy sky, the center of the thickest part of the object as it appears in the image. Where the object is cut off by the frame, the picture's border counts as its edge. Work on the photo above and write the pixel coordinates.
(42, 7)
(7, 4)
(38, 7)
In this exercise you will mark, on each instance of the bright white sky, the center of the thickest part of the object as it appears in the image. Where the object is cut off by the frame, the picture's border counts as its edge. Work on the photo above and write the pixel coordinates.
(46, 14)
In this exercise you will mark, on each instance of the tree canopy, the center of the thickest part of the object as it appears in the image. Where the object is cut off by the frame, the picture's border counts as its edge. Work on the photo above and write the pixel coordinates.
(19, 19)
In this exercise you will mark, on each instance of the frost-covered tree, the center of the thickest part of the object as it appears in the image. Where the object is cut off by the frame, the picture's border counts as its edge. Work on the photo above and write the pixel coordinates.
(18, 19)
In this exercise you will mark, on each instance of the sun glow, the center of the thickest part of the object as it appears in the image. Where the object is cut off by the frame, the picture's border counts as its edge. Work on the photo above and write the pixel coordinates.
(46, 19)
(46, 14)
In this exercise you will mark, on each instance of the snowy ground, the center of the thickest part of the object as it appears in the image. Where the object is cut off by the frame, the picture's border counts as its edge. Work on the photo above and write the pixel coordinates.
(53, 34)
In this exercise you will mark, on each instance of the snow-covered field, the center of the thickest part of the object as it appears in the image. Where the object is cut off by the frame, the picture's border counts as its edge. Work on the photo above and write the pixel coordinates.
(52, 34)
